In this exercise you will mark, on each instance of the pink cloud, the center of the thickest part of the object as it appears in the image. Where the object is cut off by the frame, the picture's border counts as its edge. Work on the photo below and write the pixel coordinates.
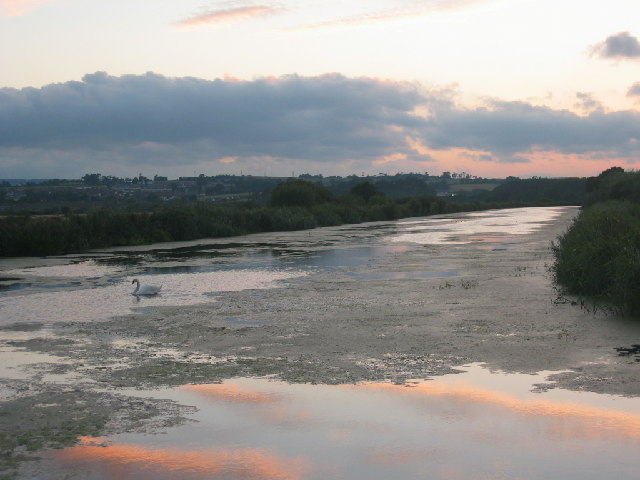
(393, 158)
(412, 10)
(14, 8)
(228, 160)
(227, 15)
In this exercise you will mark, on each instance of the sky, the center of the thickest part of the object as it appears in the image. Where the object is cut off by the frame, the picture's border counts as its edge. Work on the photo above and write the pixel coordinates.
(493, 88)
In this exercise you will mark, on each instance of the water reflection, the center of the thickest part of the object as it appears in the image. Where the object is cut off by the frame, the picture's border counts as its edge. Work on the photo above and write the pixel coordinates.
(76, 269)
(476, 424)
(117, 461)
(403, 275)
(99, 303)
(489, 226)
(13, 286)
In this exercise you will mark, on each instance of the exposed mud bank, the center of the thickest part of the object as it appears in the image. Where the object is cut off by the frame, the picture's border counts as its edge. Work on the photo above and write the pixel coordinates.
(385, 320)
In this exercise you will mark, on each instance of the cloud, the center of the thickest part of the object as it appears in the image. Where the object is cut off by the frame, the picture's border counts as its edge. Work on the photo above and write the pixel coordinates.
(587, 103)
(634, 90)
(510, 128)
(264, 116)
(397, 10)
(619, 46)
(161, 120)
(214, 17)
(329, 123)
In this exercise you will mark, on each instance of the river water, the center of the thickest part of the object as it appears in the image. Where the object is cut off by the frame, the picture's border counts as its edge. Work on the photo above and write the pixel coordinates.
(476, 424)
(94, 286)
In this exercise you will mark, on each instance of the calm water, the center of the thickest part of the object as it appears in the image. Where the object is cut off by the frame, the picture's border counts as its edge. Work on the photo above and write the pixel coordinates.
(96, 286)
(473, 425)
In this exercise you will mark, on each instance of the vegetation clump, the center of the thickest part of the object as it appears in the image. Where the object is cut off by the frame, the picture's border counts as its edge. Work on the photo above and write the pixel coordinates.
(599, 256)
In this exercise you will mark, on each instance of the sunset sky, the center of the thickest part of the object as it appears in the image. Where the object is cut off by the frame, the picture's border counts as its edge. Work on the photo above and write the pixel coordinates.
(274, 87)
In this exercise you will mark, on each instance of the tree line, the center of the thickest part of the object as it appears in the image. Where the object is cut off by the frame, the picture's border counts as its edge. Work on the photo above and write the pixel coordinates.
(292, 205)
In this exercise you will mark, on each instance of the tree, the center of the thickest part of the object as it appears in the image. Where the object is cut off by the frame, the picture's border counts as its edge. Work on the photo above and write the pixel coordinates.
(593, 183)
(92, 178)
(365, 190)
(299, 193)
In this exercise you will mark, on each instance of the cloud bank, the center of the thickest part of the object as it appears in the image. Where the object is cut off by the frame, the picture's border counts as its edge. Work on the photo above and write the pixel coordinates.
(329, 123)
(619, 46)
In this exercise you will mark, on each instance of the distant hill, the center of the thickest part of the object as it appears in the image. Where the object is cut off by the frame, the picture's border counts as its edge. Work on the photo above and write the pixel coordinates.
(22, 181)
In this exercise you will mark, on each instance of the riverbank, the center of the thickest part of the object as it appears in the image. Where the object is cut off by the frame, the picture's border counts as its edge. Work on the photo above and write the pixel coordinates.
(415, 313)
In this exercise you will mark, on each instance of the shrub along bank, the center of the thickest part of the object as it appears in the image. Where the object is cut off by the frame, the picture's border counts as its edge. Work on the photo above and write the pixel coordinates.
(599, 255)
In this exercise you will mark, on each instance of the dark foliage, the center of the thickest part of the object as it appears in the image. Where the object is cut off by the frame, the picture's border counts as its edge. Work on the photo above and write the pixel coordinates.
(544, 191)
(292, 205)
(614, 184)
(365, 191)
(299, 193)
(599, 256)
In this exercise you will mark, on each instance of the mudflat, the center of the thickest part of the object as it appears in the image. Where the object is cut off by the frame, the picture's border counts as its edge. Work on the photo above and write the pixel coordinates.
(388, 319)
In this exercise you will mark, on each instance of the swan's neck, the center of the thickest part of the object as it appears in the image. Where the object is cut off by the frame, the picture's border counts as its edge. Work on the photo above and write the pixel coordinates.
(137, 286)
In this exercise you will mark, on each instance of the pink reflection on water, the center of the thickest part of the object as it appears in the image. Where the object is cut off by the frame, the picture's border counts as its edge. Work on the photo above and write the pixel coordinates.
(566, 420)
(134, 462)
(476, 424)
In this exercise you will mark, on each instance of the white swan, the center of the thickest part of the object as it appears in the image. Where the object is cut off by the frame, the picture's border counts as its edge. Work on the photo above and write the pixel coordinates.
(146, 290)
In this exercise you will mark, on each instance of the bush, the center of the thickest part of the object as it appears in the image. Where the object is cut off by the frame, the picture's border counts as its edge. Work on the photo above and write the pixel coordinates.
(299, 193)
(599, 255)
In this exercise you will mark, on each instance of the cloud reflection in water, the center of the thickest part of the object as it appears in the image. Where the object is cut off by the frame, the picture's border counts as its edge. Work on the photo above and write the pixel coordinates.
(489, 226)
(134, 461)
(476, 424)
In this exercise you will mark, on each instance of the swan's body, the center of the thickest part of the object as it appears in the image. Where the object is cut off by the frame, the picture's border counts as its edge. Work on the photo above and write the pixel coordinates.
(146, 290)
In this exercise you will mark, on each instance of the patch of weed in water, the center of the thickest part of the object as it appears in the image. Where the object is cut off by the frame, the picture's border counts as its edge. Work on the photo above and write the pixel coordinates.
(23, 327)
(43, 344)
(56, 419)
(45, 420)
(467, 284)
(172, 373)
(632, 351)
(169, 373)
(446, 285)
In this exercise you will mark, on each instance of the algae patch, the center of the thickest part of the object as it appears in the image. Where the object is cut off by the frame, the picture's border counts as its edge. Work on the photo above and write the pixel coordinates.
(41, 417)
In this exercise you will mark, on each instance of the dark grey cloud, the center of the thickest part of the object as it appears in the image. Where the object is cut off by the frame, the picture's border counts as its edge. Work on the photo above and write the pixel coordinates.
(329, 123)
(510, 128)
(621, 45)
(290, 116)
